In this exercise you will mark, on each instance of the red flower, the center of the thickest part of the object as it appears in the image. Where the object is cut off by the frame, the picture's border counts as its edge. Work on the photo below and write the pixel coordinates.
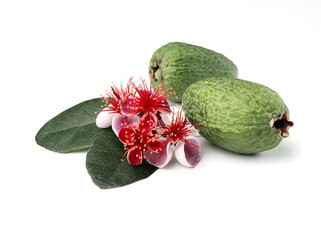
(179, 130)
(177, 133)
(139, 139)
(147, 101)
(111, 114)
(116, 96)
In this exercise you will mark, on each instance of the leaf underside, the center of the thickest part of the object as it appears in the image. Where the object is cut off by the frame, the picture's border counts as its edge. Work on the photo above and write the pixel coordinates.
(72, 130)
(105, 167)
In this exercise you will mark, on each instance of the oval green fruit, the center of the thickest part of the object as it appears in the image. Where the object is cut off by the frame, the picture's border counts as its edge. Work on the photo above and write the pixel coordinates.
(180, 64)
(238, 115)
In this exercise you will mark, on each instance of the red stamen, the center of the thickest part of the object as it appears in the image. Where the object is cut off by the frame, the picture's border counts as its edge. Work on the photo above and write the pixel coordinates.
(149, 100)
(140, 138)
(116, 96)
(179, 129)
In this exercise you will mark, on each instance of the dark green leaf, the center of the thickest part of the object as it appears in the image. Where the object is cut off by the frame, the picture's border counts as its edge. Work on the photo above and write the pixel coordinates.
(105, 167)
(72, 130)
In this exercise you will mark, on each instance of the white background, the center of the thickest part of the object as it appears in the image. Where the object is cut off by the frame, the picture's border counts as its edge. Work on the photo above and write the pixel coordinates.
(55, 54)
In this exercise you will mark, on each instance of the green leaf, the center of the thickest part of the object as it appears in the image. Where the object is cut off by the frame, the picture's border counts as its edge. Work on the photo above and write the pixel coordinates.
(105, 167)
(72, 130)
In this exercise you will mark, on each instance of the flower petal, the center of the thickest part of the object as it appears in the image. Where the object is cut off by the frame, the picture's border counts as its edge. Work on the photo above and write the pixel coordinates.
(155, 145)
(135, 156)
(160, 159)
(163, 119)
(104, 119)
(127, 135)
(148, 122)
(120, 121)
(159, 131)
(188, 154)
(129, 106)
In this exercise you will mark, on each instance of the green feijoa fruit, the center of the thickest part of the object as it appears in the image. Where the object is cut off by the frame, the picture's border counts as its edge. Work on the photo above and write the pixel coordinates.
(180, 64)
(238, 115)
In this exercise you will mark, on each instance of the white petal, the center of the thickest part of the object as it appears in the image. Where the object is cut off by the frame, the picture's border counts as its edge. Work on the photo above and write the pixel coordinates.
(164, 119)
(159, 131)
(121, 121)
(188, 155)
(104, 119)
(161, 159)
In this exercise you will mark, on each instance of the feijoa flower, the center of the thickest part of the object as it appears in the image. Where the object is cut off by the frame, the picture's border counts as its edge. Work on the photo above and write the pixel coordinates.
(178, 133)
(139, 139)
(111, 115)
(147, 101)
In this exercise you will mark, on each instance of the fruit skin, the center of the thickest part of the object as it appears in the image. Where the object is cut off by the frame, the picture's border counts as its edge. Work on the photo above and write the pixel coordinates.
(181, 64)
(236, 113)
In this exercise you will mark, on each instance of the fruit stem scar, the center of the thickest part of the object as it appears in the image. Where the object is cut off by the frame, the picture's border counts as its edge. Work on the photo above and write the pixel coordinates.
(156, 70)
(281, 124)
